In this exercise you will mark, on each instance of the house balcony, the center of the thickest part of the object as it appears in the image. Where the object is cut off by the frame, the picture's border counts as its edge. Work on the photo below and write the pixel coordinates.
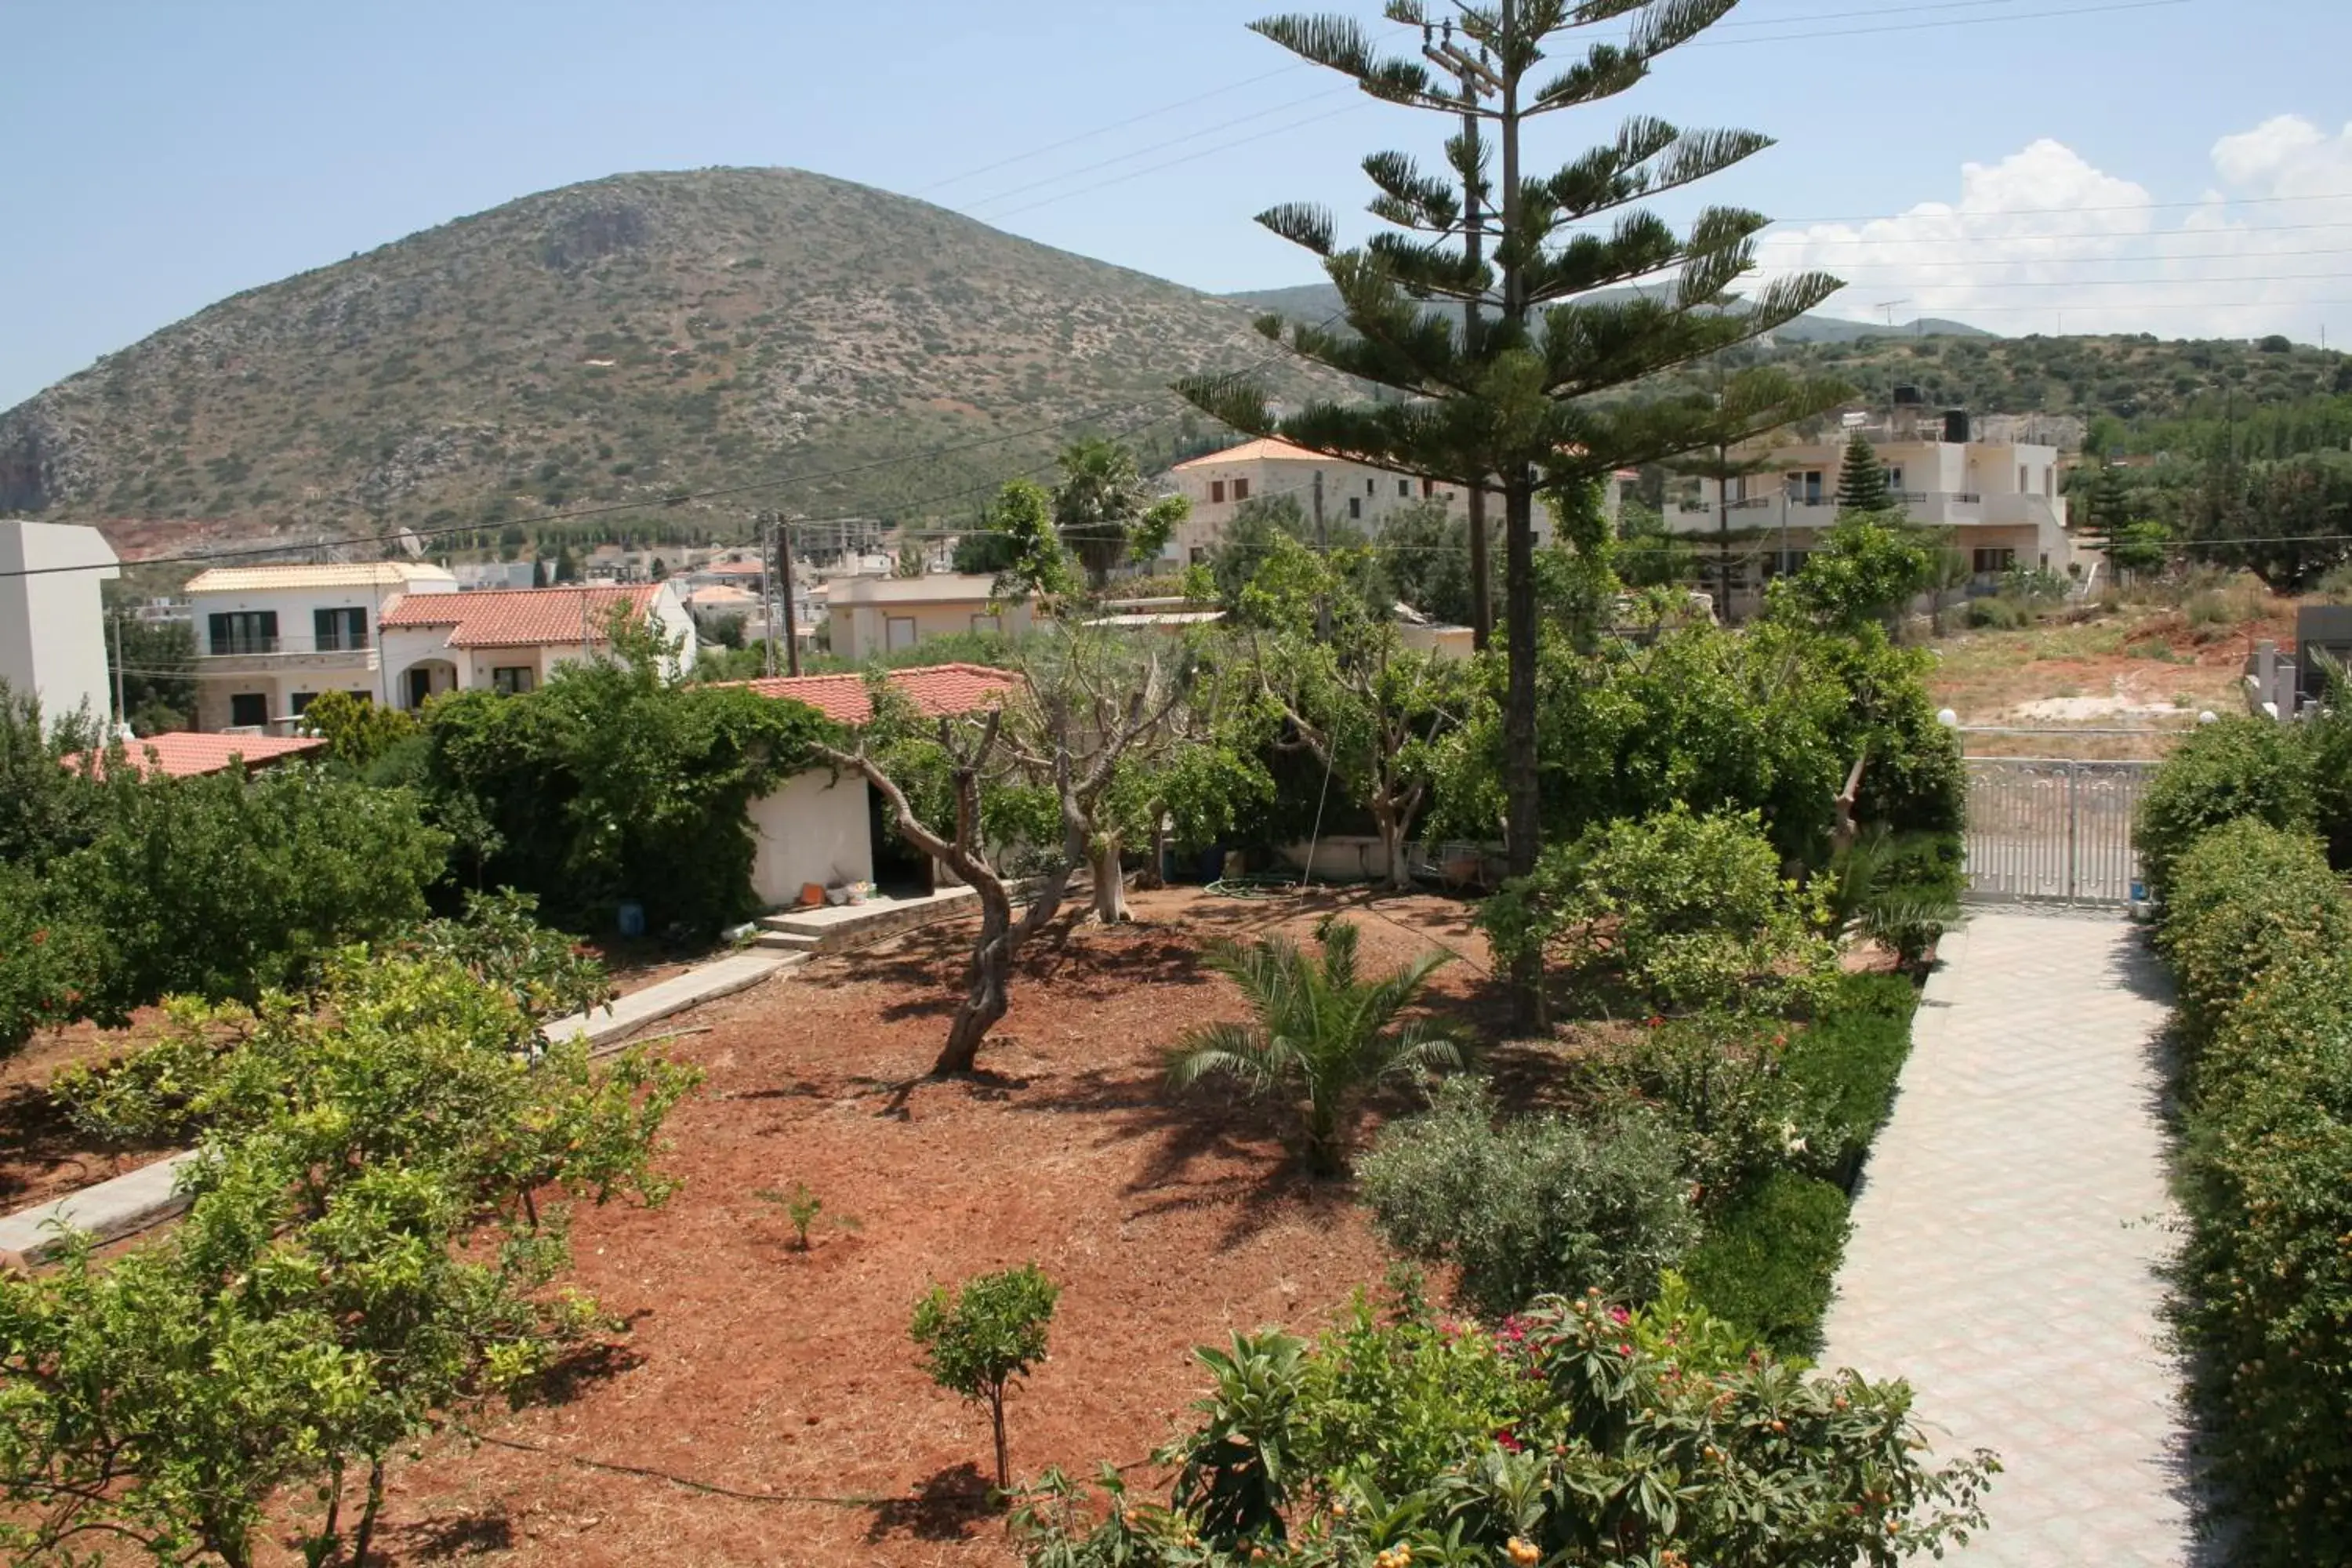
(1933, 509)
(285, 656)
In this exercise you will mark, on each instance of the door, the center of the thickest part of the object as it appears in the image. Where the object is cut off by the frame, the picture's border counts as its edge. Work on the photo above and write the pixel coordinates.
(420, 687)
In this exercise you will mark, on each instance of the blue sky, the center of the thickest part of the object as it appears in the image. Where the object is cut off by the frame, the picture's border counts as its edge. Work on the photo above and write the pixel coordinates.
(166, 153)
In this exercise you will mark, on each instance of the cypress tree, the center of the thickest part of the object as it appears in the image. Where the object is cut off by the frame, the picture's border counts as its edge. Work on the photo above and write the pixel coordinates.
(1512, 398)
(1862, 479)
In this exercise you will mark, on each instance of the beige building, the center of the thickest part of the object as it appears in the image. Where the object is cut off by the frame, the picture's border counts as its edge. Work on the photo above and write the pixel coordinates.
(270, 639)
(870, 615)
(2000, 499)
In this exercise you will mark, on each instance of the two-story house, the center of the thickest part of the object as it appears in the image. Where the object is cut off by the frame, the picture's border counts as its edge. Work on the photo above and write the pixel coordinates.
(511, 640)
(870, 615)
(2000, 499)
(270, 639)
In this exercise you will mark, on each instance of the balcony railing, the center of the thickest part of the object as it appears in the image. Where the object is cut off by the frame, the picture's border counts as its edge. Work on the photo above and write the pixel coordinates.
(247, 646)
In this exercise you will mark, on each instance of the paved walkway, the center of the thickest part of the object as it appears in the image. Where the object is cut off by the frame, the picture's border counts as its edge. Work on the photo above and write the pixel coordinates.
(2009, 1237)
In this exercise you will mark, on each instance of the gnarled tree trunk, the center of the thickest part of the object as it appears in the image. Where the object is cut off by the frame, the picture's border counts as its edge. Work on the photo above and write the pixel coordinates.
(1110, 896)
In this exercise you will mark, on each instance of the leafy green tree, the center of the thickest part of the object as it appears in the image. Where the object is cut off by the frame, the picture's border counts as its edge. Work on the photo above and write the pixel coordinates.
(612, 783)
(1424, 556)
(1862, 479)
(357, 731)
(1863, 572)
(567, 566)
(326, 1300)
(1030, 554)
(1515, 401)
(1105, 511)
(156, 662)
(1647, 555)
(977, 1339)
(47, 807)
(1741, 403)
(1324, 1036)
(227, 886)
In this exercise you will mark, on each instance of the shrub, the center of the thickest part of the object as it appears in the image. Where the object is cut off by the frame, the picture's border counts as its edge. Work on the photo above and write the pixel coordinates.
(977, 1339)
(226, 886)
(2259, 933)
(45, 964)
(1767, 1262)
(1844, 1064)
(1579, 1434)
(1679, 910)
(1322, 1037)
(2243, 766)
(1720, 1081)
(2247, 899)
(357, 731)
(1998, 614)
(1532, 1205)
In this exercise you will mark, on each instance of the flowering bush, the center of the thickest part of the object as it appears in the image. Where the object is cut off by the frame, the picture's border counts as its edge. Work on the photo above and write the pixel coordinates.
(1579, 1433)
(44, 965)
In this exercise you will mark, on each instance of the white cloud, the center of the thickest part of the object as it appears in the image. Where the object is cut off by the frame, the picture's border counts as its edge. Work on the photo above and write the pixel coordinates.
(2044, 241)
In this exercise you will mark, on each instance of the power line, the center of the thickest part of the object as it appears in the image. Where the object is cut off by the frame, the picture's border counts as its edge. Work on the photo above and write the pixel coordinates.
(1158, 146)
(1361, 104)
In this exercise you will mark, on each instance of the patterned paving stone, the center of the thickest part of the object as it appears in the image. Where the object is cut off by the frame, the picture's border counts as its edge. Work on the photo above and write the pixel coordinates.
(2010, 1239)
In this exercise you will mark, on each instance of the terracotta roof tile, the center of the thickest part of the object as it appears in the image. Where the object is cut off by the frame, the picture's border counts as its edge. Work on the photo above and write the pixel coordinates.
(1264, 449)
(183, 753)
(517, 617)
(938, 689)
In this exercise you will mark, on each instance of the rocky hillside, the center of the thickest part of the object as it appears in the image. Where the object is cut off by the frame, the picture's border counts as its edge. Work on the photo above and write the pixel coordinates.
(616, 343)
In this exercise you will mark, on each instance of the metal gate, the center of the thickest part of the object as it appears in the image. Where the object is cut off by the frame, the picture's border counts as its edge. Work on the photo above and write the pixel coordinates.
(2054, 831)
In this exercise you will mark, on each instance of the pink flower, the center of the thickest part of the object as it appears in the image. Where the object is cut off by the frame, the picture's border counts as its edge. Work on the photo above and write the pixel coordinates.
(1621, 1314)
(1508, 1443)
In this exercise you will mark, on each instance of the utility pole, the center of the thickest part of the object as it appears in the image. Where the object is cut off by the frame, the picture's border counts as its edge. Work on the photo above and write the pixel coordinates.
(1450, 56)
(122, 718)
(1322, 549)
(791, 622)
(767, 524)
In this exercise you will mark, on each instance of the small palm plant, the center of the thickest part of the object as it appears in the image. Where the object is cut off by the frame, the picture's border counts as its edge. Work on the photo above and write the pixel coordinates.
(1322, 1037)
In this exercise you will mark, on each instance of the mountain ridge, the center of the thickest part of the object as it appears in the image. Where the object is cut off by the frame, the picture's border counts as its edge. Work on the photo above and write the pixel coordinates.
(620, 342)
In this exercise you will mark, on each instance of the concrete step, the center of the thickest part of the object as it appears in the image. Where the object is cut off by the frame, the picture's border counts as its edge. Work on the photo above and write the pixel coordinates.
(837, 928)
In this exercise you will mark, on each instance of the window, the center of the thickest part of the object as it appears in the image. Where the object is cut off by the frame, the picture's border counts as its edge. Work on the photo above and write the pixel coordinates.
(898, 632)
(1356, 507)
(301, 702)
(1428, 488)
(250, 711)
(1216, 491)
(986, 624)
(512, 679)
(244, 631)
(1240, 489)
(1371, 487)
(1199, 553)
(2048, 484)
(1805, 487)
(1404, 489)
(1895, 478)
(1994, 559)
(338, 631)
(2022, 486)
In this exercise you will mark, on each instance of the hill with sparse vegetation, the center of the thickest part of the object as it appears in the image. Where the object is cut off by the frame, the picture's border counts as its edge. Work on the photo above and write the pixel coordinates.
(618, 344)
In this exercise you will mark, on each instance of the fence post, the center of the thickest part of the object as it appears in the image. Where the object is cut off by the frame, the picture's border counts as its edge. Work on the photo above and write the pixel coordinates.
(2073, 828)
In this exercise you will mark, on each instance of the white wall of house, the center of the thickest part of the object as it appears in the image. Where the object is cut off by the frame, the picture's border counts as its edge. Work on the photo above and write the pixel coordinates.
(446, 668)
(274, 677)
(813, 829)
(53, 623)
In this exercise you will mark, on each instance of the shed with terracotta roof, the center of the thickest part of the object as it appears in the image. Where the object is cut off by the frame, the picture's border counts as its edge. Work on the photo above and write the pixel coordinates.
(825, 828)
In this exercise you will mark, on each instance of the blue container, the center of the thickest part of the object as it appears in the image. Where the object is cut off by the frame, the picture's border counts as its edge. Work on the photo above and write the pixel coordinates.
(630, 918)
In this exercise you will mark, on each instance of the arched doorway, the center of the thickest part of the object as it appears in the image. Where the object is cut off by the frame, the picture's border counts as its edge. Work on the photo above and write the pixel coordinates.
(425, 679)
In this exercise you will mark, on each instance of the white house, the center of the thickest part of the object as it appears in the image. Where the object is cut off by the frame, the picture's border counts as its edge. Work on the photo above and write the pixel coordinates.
(1354, 495)
(822, 826)
(270, 639)
(52, 621)
(869, 616)
(511, 640)
(2002, 499)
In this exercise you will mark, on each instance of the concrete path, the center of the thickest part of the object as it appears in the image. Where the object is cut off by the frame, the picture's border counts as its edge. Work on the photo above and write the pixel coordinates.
(2010, 1235)
(149, 1195)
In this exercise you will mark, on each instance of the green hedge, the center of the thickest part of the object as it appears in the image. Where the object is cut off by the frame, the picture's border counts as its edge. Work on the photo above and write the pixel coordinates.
(2241, 767)
(2256, 928)
(1769, 1261)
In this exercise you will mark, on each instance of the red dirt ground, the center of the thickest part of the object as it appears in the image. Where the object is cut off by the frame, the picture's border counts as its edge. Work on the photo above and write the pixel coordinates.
(767, 1405)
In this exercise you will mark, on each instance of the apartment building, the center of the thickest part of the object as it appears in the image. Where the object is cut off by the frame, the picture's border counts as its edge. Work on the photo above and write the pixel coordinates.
(2000, 499)
(271, 638)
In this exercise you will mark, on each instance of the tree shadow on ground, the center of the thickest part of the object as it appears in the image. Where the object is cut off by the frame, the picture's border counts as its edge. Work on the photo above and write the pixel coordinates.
(469, 1534)
(943, 1508)
(38, 1139)
(589, 1367)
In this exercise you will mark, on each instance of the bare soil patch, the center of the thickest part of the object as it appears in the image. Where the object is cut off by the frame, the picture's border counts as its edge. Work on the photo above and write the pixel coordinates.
(766, 1406)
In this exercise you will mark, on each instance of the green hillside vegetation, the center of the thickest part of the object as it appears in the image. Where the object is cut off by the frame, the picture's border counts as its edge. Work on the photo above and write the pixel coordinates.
(616, 343)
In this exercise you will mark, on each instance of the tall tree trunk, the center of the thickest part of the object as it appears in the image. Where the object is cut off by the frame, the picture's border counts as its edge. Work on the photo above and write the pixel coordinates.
(1522, 820)
(987, 986)
(1003, 1453)
(1110, 895)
